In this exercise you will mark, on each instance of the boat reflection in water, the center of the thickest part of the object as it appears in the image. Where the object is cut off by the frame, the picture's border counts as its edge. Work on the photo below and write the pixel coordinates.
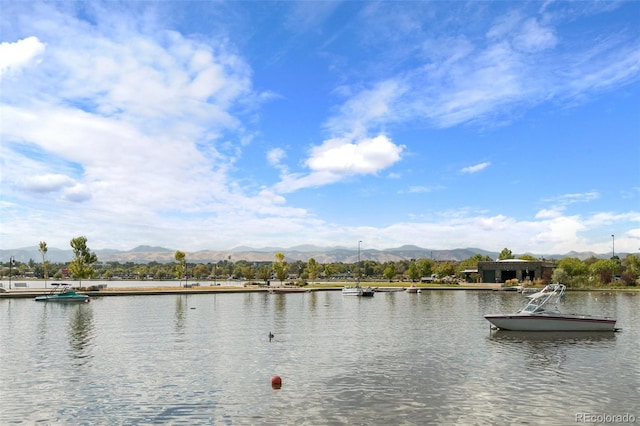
(541, 314)
(551, 336)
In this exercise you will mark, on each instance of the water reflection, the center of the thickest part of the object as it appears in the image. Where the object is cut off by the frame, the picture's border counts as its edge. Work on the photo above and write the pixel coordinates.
(280, 305)
(179, 314)
(564, 337)
(81, 333)
(313, 300)
(396, 358)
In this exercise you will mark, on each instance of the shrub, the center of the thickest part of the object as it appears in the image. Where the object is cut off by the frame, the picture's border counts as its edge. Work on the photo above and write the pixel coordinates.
(628, 278)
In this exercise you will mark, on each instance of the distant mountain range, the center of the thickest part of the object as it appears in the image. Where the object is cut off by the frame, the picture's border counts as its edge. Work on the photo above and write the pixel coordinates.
(146, 254)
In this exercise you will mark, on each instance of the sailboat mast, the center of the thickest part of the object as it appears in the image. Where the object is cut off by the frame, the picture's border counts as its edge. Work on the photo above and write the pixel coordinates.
(359, 264)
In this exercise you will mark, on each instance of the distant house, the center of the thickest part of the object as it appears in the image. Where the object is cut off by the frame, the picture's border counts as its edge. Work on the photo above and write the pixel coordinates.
(467, 273)
(508, 269)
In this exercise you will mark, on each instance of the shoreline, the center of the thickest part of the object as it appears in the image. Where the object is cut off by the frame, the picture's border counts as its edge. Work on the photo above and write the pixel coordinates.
(154, 291)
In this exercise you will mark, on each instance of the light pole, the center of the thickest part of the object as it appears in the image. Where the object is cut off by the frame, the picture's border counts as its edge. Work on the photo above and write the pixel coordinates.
(613, 246)
(613, 254)
(359, 262)
(11, 260)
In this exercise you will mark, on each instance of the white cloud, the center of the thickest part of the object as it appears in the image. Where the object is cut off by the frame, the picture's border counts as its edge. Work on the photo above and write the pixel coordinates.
(561, 201)
(522, 60)
(365, 156)
(548, 213)
(14, 56)
(419, 189)
(367, 108)
(49, 182)
(129, 125)
(476, 168)
(533, 37)
(339, 158)
(78, 193)
(275, 157)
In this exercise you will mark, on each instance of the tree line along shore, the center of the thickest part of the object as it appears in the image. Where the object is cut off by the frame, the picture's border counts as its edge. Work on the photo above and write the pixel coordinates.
(574, 272)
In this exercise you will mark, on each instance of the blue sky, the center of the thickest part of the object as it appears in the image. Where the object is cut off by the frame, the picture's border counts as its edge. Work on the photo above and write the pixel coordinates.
(209, 125)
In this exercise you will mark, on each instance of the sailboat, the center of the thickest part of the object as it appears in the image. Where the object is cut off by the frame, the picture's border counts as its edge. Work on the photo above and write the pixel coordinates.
(356, 290)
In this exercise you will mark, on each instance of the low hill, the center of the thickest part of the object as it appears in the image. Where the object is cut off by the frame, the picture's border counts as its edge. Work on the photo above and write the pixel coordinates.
(146, 254)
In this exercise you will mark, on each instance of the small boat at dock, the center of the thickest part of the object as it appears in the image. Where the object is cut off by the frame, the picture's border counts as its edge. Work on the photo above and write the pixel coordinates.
(62, 293)
(388, 289)
(356, 290)
(284, 290)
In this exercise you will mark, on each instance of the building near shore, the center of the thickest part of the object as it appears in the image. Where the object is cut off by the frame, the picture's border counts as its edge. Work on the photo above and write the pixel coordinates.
(523, 270)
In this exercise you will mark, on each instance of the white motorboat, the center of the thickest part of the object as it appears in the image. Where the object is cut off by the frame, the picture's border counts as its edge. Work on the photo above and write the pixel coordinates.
(356, 290)
(541, 314)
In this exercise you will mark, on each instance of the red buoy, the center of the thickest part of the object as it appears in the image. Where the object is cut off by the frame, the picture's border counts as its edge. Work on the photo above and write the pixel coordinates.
(276, 382)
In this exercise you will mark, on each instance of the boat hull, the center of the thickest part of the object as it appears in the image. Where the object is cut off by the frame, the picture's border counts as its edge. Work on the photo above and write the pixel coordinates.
(542, 322)
(289, 290)
(367, 292)
(64, 296)
(76, 299)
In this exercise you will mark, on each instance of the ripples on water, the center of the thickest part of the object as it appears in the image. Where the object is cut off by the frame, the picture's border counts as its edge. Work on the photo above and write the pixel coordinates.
(397, 358)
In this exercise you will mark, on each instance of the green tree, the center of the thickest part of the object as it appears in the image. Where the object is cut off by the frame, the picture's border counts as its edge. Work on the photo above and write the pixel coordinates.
(425, 267)
(631, 264)
(505, 254)
(264, 273)
(573, 266)
(200, 271)
(560, 276)
(472, 262)
(602, 268)
(390, 271)
(43, 249)
(527, 257)
(141, 271)
(81, 266)
(280, 267)
(312, 268)
(413, 271)
(445, 269)
(181, 267)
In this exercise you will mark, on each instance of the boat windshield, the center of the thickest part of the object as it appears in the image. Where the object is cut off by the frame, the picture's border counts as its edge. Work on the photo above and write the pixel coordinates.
(549, 295)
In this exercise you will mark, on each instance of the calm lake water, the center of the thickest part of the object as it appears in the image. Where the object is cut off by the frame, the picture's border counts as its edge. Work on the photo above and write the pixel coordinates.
(397, 358)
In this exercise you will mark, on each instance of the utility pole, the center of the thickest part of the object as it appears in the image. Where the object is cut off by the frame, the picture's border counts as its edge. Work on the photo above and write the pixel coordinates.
(11, 262)
(613, 246)
(359, 265)
(613, 254)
